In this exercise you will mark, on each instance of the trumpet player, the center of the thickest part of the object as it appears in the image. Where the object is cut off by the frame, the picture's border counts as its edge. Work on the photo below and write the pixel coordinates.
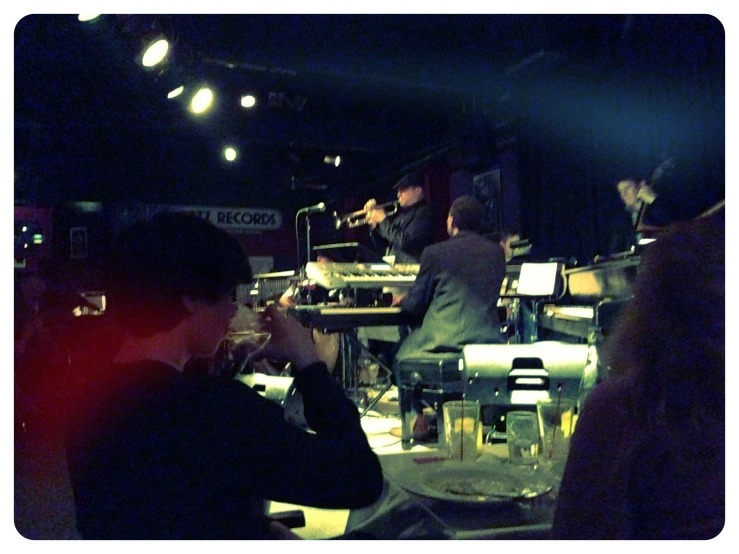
(411, 228)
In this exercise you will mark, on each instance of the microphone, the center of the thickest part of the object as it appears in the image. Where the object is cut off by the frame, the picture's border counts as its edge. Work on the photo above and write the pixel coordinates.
(318, 208)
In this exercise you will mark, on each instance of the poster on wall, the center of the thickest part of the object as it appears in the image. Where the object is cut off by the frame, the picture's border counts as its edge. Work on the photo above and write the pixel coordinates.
(78, 243)
(487, 191)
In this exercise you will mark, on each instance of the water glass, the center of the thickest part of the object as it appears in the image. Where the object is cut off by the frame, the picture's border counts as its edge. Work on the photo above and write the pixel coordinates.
(522, 436)
(555, 425)
(462, 431)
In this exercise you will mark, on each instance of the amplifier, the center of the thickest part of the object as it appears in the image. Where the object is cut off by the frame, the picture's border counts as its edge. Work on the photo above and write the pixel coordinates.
(506, 377)
(428, 381)
(441, 372)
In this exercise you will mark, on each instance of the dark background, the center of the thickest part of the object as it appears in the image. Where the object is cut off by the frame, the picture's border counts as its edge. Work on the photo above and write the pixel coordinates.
(563, 106)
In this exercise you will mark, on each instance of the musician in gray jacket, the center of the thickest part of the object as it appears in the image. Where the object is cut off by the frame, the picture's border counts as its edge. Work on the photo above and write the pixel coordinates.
(454, 299)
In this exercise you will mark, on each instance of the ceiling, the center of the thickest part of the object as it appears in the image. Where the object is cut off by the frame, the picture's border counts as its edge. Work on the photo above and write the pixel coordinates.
(388, 93)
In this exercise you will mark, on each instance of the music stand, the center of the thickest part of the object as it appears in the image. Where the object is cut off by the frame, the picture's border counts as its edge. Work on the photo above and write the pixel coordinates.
(348, 252)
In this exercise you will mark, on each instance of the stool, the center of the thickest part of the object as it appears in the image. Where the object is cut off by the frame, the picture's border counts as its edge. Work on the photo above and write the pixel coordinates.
(433, 379)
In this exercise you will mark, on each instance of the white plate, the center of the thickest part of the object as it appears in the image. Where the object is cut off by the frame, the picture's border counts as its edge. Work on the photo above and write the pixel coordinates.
(477, 482)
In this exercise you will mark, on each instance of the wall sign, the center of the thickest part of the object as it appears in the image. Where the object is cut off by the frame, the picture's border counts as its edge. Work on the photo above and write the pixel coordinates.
(233, 220)
(236, 219)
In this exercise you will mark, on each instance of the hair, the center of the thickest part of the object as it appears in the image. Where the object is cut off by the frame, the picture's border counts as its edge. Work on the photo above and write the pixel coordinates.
(670, 338)
(155, 263)
(466, 211)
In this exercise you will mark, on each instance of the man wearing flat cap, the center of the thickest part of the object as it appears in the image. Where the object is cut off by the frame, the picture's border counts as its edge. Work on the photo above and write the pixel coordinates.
(411, 228)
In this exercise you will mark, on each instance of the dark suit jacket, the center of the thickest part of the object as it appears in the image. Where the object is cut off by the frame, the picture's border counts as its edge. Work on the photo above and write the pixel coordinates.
(455, 296)
(408, 232)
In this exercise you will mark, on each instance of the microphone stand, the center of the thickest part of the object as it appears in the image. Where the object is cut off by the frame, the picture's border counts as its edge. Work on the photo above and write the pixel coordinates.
(300, 267)
(307, 211)
(307, 251)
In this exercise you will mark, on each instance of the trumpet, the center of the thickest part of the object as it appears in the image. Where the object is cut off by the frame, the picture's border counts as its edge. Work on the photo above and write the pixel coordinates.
(358, 218)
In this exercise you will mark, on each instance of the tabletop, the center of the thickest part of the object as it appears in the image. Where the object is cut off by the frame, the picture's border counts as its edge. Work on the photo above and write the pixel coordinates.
(407, 511)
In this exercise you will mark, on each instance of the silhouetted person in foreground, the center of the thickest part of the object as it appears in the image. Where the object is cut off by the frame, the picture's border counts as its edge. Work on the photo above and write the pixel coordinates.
(647, 459)
(158, 453)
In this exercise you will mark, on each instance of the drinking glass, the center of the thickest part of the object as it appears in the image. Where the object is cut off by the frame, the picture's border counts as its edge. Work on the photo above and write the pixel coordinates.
(462, 431)
(522, 436)
(246, 335)
(555, 425)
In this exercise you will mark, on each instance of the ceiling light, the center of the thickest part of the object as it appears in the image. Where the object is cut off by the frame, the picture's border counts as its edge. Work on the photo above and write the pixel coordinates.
(155, 52)
(230, 153)
(248, 101)
(86, 17)
(201, 101)
(176, 92)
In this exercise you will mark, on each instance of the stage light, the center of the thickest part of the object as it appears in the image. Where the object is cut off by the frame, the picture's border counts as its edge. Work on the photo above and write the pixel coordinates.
(155, 52)
(176, 92)
(87, 17)
(336, 160)
(248, 101)
(202, 101)
(230, 153)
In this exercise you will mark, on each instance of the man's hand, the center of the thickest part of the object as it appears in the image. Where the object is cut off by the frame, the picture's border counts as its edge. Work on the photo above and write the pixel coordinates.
(290, 340)
(376, 216)
(646, 193)
(397, 299)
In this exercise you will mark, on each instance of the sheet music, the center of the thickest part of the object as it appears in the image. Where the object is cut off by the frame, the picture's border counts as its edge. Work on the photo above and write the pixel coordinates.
(537, 279)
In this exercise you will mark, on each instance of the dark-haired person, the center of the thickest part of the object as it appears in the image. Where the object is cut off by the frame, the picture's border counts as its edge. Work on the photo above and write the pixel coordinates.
(505, 238)
(454, 298)
(647, 459)
(158, 453)
(670, 195)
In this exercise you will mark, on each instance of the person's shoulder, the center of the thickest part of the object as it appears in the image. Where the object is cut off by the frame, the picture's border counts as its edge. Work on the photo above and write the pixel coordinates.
(434, 248)
(480, 241)
(422, 207)
(612, 397)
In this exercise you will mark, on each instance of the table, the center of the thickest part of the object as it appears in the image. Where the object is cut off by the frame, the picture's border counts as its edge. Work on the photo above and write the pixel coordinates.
(400, 514)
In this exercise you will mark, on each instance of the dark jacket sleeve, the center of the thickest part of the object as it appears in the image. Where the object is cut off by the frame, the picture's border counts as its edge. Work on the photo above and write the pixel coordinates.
(331, 466)
(409, 236)
(416, 302)
(664, 210)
